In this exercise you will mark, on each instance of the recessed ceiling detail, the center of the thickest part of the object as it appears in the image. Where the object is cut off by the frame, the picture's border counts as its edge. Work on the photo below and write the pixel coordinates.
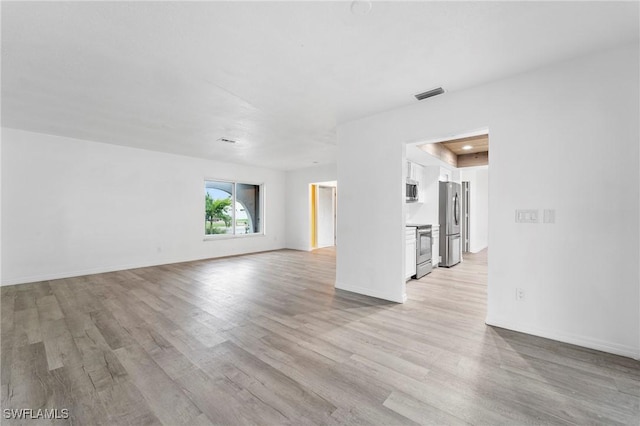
(464, 152)
(478, 143)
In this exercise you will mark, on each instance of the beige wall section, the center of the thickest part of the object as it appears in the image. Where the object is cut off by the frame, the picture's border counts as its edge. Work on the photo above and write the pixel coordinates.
(313, 194)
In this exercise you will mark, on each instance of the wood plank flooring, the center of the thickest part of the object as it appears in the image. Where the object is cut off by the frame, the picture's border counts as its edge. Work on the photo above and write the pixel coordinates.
(266, 339)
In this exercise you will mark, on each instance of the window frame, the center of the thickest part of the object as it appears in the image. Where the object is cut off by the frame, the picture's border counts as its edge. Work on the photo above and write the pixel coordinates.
(262, 233)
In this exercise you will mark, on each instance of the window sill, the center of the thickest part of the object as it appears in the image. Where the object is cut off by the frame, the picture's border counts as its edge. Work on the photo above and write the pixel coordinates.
(214, 237)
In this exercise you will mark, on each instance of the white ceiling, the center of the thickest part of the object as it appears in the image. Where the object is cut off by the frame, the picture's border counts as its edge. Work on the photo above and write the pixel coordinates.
(277, 77)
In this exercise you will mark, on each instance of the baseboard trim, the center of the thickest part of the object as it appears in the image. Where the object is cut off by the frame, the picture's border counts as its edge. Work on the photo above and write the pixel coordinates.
(105, 269)
(476, 250)
(79, 273)
(372, 293)
(573, 339)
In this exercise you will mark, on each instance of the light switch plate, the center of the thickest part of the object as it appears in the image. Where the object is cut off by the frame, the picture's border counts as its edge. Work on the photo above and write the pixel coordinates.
(526, 216)
(549, 216)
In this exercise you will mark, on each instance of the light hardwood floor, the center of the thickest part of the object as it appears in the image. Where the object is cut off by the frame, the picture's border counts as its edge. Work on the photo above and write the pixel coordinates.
(266, 339)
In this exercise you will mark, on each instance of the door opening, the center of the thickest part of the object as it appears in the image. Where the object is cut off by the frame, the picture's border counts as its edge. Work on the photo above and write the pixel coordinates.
(323, 214)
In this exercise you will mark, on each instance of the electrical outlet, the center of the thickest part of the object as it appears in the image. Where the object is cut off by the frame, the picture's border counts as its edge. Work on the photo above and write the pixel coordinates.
(519, 294)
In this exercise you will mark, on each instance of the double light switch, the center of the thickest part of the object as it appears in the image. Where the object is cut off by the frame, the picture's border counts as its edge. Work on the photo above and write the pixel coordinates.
(532, 216)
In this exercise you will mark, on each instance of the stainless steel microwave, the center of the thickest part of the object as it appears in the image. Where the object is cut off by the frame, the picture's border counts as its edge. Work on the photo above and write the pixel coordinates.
(412, 191)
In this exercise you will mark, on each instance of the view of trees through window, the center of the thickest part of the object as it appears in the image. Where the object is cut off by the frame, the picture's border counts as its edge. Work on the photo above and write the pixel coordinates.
(231, 208)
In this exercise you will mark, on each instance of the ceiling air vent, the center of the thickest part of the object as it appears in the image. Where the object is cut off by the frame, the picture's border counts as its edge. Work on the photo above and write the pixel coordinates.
(225, 140)
(430, 93)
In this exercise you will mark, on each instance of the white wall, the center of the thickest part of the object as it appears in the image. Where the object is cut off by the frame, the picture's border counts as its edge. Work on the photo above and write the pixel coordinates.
(371, 174)
(478, 179)
(564, 137)
(298, 203)
(72, 207)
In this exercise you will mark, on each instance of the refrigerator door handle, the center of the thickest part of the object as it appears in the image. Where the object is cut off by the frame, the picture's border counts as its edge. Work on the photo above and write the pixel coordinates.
(456, 210)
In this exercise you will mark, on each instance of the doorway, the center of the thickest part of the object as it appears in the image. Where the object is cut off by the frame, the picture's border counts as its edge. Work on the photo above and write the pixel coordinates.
(323, 214)
(463, 160)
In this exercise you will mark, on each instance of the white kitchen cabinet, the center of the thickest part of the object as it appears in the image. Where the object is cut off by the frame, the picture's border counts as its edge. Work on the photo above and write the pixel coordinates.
(445, 175)
(435, 249)
(410, 170)
(410, 254)
(414, 171)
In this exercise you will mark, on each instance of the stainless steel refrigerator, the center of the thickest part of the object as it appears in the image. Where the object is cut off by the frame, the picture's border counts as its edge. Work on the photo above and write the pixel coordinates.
(450, 248)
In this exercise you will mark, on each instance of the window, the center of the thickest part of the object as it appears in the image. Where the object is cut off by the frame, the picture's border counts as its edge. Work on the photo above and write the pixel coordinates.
(232, 208)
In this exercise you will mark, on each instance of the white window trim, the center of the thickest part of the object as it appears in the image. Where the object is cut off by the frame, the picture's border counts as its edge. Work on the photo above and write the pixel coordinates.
(262, 233)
